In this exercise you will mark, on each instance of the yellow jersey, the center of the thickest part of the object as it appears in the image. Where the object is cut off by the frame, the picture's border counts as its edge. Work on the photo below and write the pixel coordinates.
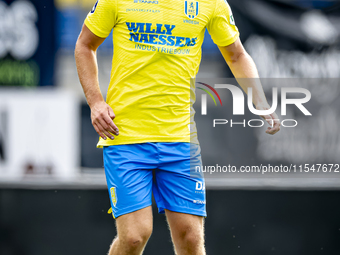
(157, 52)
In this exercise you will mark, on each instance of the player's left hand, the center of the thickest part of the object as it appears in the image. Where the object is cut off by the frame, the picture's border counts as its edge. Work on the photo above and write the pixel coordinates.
(272, 119)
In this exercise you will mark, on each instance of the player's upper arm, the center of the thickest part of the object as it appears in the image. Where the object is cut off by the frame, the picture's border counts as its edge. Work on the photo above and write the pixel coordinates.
(221, 25)
(88, 39)
(102, 18)
(232, 52)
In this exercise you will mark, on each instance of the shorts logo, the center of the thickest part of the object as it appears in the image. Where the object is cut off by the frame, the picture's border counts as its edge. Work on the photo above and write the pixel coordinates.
(191, 8)
(200, 202)
(200, 186)
(113, 196)
(94, 7)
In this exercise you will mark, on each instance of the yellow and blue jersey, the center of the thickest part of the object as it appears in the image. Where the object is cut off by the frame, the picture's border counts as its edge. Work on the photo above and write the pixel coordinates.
(157, 52)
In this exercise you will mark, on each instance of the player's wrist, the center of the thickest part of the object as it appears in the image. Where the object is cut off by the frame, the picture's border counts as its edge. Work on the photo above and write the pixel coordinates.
(260, 104)
(93, 102)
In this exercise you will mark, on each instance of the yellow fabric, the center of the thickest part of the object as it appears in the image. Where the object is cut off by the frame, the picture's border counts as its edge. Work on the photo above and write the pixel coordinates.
(110, 211)
(157, 52)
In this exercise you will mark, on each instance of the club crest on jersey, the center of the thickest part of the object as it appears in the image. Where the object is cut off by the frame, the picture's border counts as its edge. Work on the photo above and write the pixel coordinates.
(191, 8)
(113, 196)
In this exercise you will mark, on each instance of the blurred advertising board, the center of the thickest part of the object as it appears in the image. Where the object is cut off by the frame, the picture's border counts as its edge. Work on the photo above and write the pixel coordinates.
(38, 135)
(70, 17)
(291, 39)
(27, 42)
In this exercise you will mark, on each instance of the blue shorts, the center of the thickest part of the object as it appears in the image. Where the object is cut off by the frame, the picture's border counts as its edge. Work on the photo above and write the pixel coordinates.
(135, 171)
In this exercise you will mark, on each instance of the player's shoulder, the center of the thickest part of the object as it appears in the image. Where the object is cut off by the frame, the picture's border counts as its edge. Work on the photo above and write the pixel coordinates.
(207, 5)
(207, 2)
(104, 5)
(211, 4)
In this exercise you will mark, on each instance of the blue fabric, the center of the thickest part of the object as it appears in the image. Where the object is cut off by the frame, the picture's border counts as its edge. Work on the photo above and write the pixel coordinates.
(135, 171)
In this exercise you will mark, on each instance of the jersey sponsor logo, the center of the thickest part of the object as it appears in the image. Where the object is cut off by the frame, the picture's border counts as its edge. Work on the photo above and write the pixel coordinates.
(171, 51)
(157, 34)
(113, 196)
(191, 8)
(192, 22)
(94, 7)
(145, 1)
(142, 10)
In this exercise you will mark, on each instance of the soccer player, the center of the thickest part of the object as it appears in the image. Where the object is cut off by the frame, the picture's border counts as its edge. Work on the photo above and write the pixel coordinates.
(146, 125)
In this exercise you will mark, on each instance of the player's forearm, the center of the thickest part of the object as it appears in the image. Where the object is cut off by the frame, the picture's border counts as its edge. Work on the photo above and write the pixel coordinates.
(245, 71)
(86, 62)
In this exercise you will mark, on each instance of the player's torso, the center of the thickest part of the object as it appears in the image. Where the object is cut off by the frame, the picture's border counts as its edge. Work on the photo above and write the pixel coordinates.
(174, 27)
(157, 50)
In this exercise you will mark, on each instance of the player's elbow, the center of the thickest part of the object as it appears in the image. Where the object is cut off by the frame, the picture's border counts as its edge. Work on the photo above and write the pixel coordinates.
(238, 57)
(77, 49)
(81, 48)
(79, 45)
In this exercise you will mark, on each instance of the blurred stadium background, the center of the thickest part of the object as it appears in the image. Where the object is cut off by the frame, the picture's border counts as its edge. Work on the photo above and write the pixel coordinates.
(53, 197)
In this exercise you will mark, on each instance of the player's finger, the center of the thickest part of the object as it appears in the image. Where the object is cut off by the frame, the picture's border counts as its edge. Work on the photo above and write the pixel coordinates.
(99, 132)
(111, 126)
(277, 123)
(111, 113)
(276, 126)
(109, 135)
(103, 128)
(269, 120)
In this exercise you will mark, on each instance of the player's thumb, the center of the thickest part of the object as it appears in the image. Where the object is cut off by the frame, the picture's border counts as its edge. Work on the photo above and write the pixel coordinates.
(269, 120)
(111, 113)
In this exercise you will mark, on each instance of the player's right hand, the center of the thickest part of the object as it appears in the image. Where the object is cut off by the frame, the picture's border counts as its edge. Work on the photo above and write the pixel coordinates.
(272, 119)
(102, 120)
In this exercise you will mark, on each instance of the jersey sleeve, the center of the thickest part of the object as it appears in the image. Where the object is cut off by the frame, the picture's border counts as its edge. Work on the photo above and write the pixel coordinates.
(221, 25)
(102, 18)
